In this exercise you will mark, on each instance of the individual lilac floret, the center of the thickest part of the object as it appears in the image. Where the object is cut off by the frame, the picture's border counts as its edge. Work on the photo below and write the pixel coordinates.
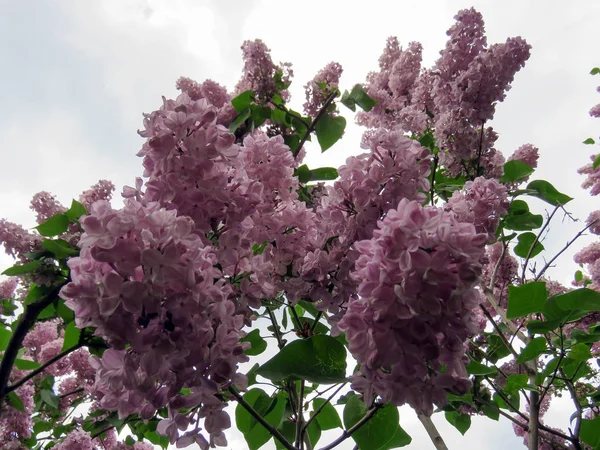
(414, 309)
(320, 87)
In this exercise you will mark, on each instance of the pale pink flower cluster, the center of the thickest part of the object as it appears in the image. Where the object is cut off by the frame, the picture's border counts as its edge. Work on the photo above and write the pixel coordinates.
(259, 71)
(103, 190)
(527, 153)
(505, 271)
(45, 206)
(144, 280)
(481, 202)
(316, 94)
(592, 182)
(413, 313)
(455, 98)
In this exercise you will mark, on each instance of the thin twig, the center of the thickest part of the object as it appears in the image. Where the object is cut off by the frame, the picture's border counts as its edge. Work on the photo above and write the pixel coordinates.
(498, 330)
(549, 263)
(535, 241)
(276, 434)
(320, 408)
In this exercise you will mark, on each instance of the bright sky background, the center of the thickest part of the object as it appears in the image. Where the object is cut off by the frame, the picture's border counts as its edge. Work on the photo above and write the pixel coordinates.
(78, 74)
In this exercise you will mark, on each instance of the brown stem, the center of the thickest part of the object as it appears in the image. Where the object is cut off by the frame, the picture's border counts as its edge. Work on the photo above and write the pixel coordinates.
(26, 321)
(43, 367)
(534, 417)
(433, 432)
(313, 124)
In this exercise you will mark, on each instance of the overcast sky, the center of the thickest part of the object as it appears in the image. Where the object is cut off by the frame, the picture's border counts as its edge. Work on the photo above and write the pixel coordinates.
(78, 74)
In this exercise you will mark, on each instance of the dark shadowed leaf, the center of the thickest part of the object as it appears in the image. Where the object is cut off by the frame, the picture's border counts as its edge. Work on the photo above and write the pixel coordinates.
(318, 359)
(258, 344)
(381, 432)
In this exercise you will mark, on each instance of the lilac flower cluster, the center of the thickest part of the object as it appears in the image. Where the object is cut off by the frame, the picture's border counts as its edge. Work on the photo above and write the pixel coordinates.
(413, 313)
(482, 202)
(455, 98)
(322, 85)
(260, 72)
(147, 284)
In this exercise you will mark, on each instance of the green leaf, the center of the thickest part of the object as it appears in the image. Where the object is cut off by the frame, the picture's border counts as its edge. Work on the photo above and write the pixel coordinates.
(462, 422)
(75, 211)
(243, 101)
(257, 343)
(525, 242)
(545, 191)
(318, 359)
(526, 299)
(271, 409)
(259, 116)
(22, 269)
(589, 141)
(303, 173)
(580, 352)
(541, 327)
(348, 101)
(47, 313)
(72, 334)
(5, 336)
(25, 364)
(65, 313)
(259, 249)
(55, 225)
(129, 440)
(329, 130)
(516, 382)
(59, 247)
(239, 120)
(476, 368)
(361, 98)
(309, 307)
(580, 299)
(596, 162)
(492, 412)
(515, 170)
(328, 417)
(520, 219)
(288, 430)
(532, 350)
(323, 173)
(314, 432)
(381, 432)
(590, 432)
(49, 398)
(595, 71)
(15, 401)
